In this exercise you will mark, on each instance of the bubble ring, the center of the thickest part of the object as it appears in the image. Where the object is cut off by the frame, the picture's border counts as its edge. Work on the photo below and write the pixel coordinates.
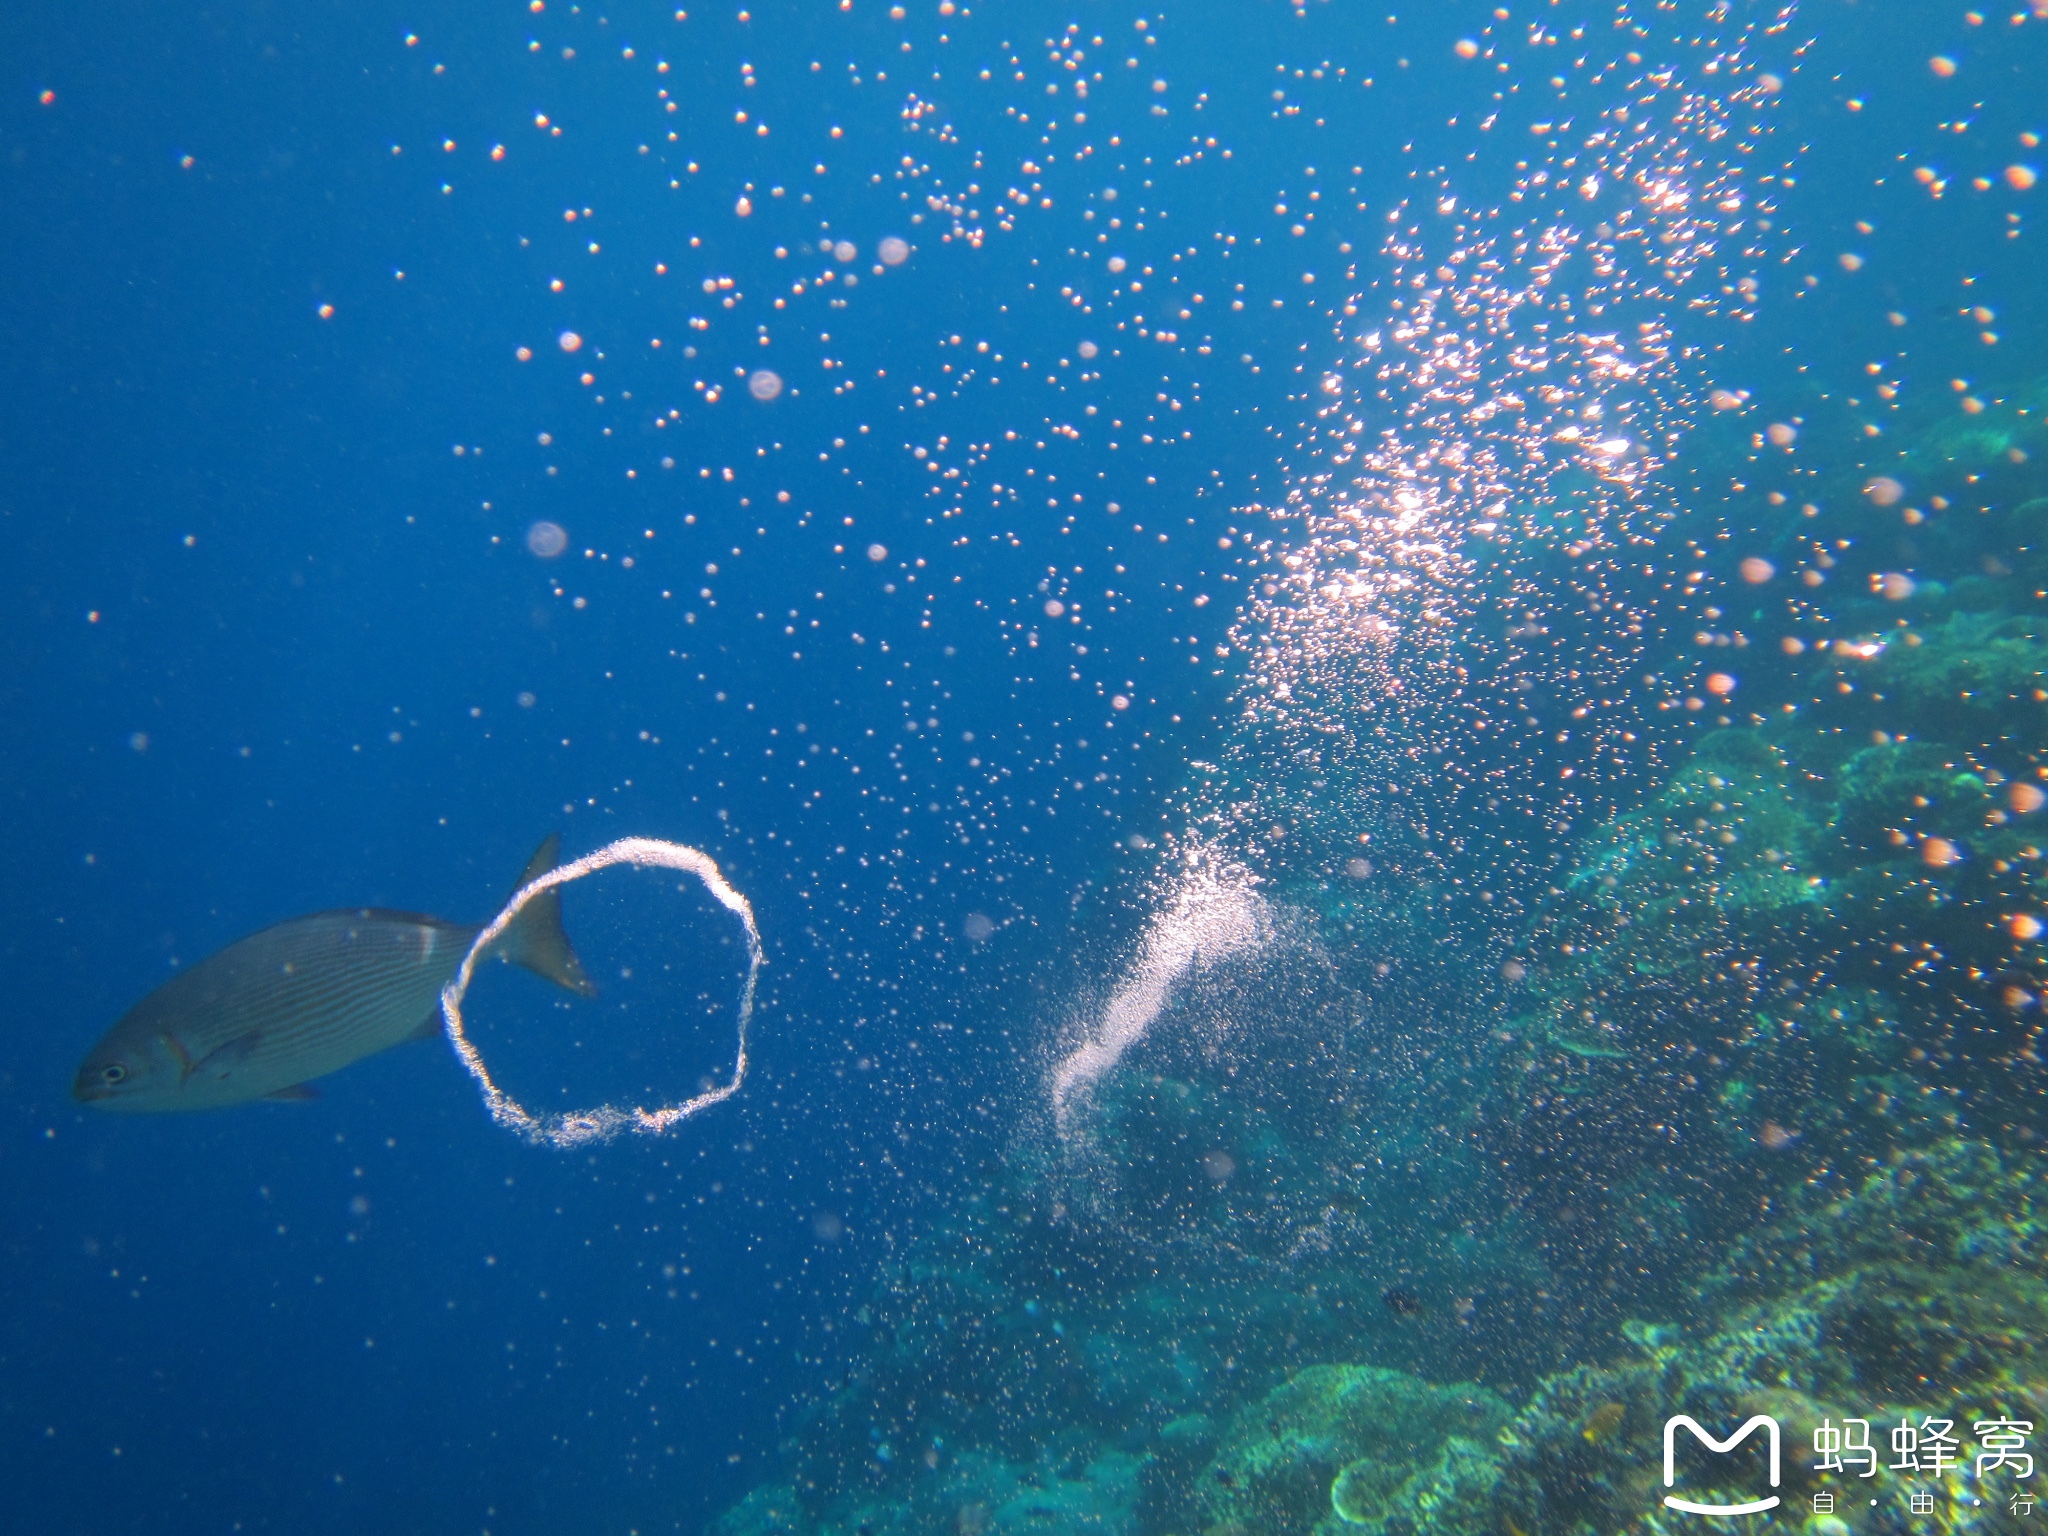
(574, 1127)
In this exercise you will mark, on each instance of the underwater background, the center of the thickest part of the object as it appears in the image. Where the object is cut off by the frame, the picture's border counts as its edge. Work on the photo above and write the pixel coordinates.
(1380, 678)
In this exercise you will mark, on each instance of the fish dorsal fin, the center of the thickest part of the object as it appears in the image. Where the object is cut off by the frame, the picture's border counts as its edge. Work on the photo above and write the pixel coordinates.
(298, 1093)
(536, 939)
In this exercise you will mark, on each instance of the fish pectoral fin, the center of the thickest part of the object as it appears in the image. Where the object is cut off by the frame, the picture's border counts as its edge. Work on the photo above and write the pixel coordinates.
(430, 1027)
(298, 1093)
(224, 1058)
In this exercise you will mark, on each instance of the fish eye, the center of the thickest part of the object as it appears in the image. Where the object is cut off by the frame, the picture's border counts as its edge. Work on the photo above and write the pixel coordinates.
(113, 1072)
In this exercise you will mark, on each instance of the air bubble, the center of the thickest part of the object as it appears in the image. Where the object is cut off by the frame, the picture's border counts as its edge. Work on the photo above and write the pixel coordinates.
(573, 1128)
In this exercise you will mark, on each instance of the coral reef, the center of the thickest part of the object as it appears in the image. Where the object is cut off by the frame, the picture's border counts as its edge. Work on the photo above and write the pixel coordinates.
(1365, 1243)
(1816, 942)
(1072, 1488)
(1339, 1441)
(1919, 1294)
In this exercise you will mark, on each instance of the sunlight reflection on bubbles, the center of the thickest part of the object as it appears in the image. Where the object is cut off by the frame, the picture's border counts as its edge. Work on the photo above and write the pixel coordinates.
(893, 251)
(845, 250)
(1534, 391)
(575, 1127)
(1521, 387)
(977, 926)
(764, 384)
(569, 341)
(547, 539)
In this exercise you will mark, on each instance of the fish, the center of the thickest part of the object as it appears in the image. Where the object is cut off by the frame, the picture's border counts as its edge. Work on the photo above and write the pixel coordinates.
(1590, 1052)
(264, 1017)
(1402, 1302)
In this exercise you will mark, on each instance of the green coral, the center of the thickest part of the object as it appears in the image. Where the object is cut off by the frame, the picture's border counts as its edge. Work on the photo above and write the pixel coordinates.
(1816, 939)
(1362, 1492)
(1972, 442)
(1889, 788)
(1920, 1290)
(769, 1510)
(1362, 1427)
(1453, 1491)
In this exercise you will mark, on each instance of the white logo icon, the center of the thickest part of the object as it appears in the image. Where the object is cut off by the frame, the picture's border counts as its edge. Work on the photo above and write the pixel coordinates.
(1755, 1507)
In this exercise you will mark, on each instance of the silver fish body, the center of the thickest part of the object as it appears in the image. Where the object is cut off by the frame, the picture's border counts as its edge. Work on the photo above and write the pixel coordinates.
(279, 1008)
(269, 1013)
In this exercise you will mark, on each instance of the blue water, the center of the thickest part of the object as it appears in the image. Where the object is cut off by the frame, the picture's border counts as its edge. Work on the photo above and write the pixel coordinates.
(274, 641)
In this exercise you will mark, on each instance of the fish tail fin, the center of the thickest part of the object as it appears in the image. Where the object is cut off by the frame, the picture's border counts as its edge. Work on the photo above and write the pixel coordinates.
(536, 939)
